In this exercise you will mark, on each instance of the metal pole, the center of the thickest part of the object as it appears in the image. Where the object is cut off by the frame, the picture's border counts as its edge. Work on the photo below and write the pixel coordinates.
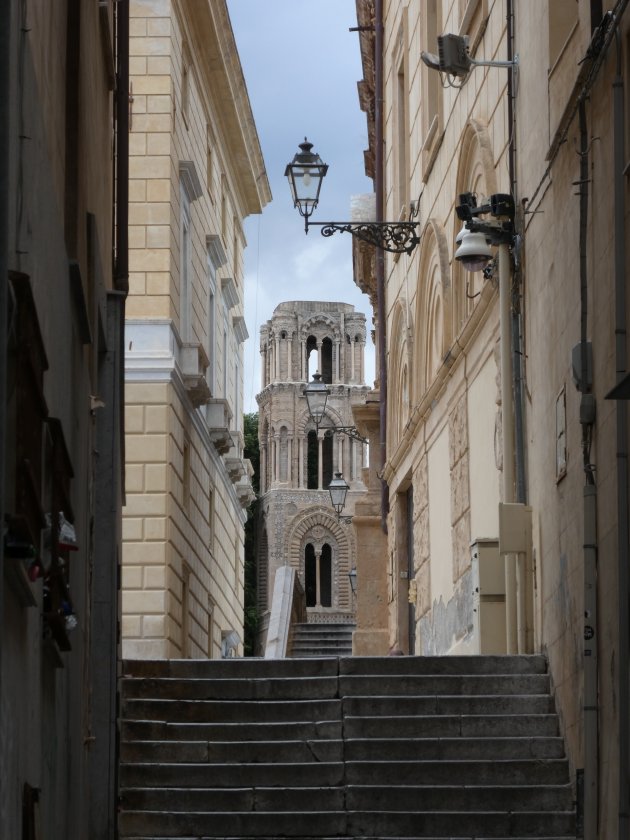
(507, 434)
(623, 531)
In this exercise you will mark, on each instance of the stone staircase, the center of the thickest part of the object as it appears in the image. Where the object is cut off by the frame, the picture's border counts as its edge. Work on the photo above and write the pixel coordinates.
(400, 747)
(318, 640)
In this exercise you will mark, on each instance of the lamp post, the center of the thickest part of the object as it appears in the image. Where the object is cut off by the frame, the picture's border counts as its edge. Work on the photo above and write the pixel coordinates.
(474, 253)
(352, 577)
(305, 174)
(316, 393)
(338, 489)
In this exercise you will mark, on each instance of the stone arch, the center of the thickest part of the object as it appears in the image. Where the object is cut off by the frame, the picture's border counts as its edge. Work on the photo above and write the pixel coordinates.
(319, 525)
(475, 173)
(399, 375)
(433, 307)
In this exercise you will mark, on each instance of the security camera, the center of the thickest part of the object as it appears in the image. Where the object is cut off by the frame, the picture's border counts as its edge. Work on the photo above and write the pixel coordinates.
(474, 251)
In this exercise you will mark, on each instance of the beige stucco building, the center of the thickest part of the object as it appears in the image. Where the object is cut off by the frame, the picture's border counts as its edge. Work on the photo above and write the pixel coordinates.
(298, 526)
(196, 171)
(503, 460)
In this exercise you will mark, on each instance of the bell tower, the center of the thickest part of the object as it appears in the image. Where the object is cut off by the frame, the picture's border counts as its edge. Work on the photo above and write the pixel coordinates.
(299, 526)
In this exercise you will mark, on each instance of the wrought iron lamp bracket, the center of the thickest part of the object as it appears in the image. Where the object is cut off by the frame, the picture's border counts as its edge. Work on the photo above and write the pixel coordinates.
(396, 237)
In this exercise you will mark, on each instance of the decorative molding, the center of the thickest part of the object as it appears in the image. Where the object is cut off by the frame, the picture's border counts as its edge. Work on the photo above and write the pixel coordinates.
(216, 251)
(190, 179)
(228, 289)
(240, 330)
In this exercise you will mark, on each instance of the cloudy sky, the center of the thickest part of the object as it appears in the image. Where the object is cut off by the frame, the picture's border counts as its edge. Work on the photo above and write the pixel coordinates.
(301, 66)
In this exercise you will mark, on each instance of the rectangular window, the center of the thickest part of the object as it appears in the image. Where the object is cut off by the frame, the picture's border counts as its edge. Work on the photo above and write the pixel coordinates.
(185, 303)
(431, 89)
(225, 352)
(212, 326)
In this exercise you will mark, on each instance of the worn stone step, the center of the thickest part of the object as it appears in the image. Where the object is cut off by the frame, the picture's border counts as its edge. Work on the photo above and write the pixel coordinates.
(195, 800)
(229, 752)
(451, 798)
(308, 774)
(444, 824)
(233, 824)
(267, 688)
(338, 823)
(446, 684)
(207, 711)
(437, 665)
(249, 667)
(426, 726)
(149, 730)
(459, 772)
(368, 705)
(410, 749)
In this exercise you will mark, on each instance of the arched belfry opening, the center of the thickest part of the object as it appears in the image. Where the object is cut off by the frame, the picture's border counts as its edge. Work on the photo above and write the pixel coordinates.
(327, 361)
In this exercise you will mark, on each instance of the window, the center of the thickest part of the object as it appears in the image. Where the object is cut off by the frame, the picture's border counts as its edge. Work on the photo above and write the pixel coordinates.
(186, 62)
(186, 477)
(212, 325)
(563, 16)
(401, 121)
(225, 351)
(209, 162)
(211, 520)
(185, 269)
(431, 89)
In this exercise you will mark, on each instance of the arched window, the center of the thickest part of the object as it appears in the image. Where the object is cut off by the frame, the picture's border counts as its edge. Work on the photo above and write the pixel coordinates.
(327, 361)
(310, 575)
(325, 576)
(312, 458)
(318, 576)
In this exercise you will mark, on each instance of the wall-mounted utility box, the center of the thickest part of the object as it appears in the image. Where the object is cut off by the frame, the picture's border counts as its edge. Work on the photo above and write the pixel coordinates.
(488, 570)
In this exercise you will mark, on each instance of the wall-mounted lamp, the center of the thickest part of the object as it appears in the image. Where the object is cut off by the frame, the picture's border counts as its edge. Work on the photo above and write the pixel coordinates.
(454, 59)
(305, 174)
(338, 489)
(316, 393)
(352, 577)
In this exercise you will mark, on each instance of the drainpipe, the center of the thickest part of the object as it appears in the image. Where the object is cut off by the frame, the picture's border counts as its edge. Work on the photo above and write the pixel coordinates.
(623, 534)
(5, 124)
(507, 435)
(380, 255)
(587, 420)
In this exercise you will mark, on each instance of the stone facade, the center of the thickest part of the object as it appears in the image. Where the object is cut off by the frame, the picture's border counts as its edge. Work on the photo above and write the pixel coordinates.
(448, 411)
(61, 313)
(195, 167)
(298, 525)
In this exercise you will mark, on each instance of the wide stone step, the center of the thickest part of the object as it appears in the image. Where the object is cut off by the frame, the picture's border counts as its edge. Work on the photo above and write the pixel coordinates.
(455, 772)
(149, 730)
(195, 800)
(249, 667)
(437, 665)
(432, 749)
(449, 798)
(308, 774)
(207, 711)
(446, 684)
(351, 824)
(272, 688)
(442, 726)
(229, 752)
(356, 798)
(399, 705)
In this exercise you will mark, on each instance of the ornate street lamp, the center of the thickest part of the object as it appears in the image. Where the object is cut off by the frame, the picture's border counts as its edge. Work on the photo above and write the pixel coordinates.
(352, 577)
(338, 489)
(305, 174)
(316, 393)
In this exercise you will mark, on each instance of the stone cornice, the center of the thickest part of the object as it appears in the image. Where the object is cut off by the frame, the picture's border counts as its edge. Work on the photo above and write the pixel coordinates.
(216, 56)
